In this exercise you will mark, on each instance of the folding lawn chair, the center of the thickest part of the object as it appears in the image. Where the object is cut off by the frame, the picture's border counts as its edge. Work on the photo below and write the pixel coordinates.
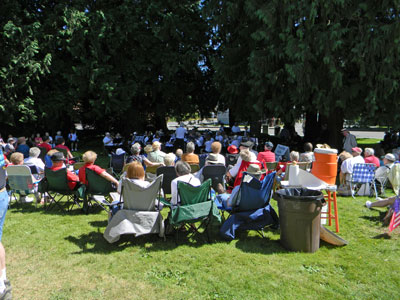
(117, 163)
(216, 173)
(98, 191)
(43, 152)
(231, 159)
(195, 206)
(362, 174)
(271, 166)
(57, 189)
(140, 213)
(169, 174)
(21, 181)
(250, 207)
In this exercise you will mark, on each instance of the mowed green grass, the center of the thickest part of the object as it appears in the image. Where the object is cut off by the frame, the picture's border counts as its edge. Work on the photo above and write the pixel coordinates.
(51, 255)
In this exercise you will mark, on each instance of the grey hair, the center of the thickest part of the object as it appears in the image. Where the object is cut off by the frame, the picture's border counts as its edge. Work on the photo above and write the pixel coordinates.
(169, 159)
(182, 168)
(135, 149)
(190, 147)
(34, 152)
(294, 156)
(369, 151)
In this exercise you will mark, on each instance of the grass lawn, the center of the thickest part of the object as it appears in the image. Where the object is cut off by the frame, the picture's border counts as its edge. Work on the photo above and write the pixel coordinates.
(58, 256)
(55, 256)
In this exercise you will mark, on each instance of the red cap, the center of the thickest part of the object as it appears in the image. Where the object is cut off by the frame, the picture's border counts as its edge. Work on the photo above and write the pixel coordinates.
(356, 149)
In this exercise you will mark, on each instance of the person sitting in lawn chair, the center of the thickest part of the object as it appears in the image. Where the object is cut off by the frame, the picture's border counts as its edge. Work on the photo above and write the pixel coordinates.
(182, 170)
(226, 199)
(89, 157)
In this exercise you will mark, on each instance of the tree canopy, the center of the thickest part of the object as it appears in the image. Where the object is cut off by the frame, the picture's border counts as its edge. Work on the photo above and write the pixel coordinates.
(123, 64)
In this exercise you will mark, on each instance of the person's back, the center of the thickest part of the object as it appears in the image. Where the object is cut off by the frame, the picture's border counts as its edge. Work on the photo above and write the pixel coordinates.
(183, 172)
(267, 155)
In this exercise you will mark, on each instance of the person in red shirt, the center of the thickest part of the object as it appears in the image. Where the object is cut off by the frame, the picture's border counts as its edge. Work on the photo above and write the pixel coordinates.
(45, 144)
(370, 157)
(58, 160)
(267, 155)
(60, 143)
(89, 157)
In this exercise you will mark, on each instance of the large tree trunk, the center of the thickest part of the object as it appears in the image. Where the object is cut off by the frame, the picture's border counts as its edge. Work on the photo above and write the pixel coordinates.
(335, 124)
(312, 127)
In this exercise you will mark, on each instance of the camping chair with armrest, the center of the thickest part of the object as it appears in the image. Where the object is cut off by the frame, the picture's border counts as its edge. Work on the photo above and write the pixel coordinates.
(216, 173)
(195, 206)
(169, 174)
(362, 174)
(271, 166)
(98, 191)
(117, 163)
(251, 209)
(140, 213)
(43, 152)
(394, 178)
(21, 181)
(57, 189)
(231, 159)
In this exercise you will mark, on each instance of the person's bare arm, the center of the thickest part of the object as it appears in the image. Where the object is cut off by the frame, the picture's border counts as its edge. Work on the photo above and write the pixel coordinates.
(109, 178)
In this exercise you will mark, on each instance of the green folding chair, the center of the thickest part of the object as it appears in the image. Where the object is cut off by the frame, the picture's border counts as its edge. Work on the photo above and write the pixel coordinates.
(56, 186)
(98, 191)
(195, 206)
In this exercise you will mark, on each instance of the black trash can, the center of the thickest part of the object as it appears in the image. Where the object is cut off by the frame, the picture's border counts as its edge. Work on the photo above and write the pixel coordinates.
(300, 218)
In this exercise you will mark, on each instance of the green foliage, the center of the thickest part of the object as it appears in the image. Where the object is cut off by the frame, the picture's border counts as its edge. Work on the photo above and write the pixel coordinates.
(290, 57)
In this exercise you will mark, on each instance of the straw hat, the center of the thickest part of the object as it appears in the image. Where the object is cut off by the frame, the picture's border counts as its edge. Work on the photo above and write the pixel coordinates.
(212, 158)
(254, 169)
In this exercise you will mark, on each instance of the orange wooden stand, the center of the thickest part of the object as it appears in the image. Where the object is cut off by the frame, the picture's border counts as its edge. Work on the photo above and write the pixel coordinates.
(330, 198)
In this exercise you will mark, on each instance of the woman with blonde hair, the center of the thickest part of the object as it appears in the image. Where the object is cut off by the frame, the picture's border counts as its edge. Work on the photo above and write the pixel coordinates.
(216, 150)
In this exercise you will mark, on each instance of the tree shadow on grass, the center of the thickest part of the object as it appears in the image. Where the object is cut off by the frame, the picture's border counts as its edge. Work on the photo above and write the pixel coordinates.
(259, 244)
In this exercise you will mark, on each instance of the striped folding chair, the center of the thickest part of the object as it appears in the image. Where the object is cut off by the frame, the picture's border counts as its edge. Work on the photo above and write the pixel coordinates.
(362, 174)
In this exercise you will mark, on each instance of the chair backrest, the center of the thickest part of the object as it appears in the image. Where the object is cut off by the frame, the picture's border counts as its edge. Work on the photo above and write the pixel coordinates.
(271, 166)
(78, 165)
(152, 170)
(139, 198)
(202, 159)
(253, 193)
(97, 185)
(194, 168)
(19, 178)
(363, 173)
(33, 168)
(43, 152)
(169, 175)
(57, 180)
(215, 172)
(190, 194)
(231, 159)
(117, 162)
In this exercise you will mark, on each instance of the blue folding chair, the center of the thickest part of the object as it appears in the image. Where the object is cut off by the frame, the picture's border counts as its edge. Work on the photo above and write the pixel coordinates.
(362, 174)
(250, 207)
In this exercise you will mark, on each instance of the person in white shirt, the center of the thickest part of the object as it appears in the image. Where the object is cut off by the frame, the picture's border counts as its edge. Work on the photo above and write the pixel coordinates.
(107, 141)
(182, 170)
(347, 166)
(34, 160)
(180, 133)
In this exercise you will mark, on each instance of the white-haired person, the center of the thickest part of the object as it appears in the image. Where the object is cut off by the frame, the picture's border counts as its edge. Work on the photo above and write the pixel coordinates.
(136, 156)
(189, 156)
(89, 157)
(246, 157)
(169, 160)
(182, 170)
(370, 158)
(34, 160)
(156, 156)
